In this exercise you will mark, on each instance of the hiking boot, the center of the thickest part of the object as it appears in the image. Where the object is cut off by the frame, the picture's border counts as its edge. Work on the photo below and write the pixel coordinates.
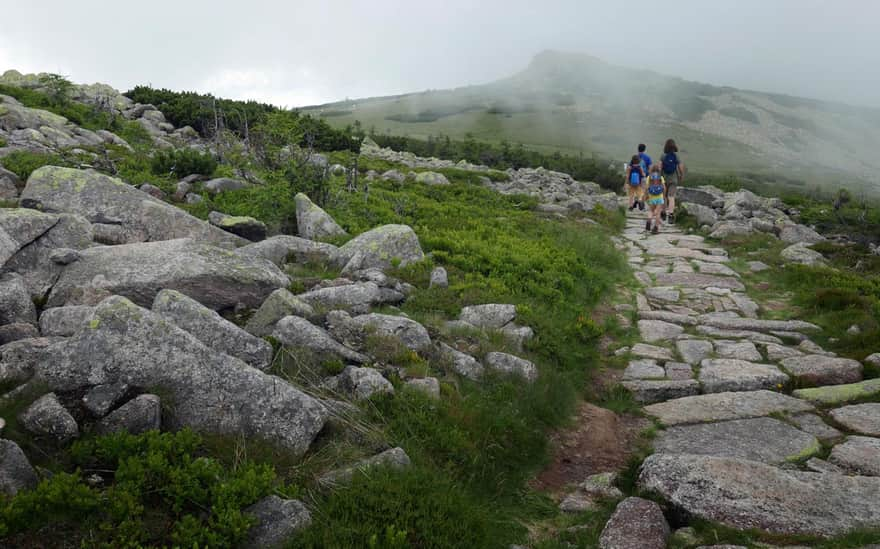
(655, 230)
(670, 218)
(647, 225)
(632, 206)
(641, 206)
(663, 216)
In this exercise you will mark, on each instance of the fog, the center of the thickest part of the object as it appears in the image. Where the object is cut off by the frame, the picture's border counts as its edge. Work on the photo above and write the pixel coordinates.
(299, 53)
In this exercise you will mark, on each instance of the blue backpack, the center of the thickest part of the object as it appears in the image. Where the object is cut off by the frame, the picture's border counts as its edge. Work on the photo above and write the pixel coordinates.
(635, 176)
(655, 190)
(670, 163)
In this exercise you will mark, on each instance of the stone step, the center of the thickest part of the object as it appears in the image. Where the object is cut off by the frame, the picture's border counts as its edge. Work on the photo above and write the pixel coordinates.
(725, 406)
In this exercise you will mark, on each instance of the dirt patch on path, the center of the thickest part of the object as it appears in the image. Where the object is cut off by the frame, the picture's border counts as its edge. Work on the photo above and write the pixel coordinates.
(600, 441)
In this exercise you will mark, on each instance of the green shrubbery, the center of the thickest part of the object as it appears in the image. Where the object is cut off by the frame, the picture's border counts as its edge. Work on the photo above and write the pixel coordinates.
(157, 490)
(22, 163)
(56, 100)
(182, 162)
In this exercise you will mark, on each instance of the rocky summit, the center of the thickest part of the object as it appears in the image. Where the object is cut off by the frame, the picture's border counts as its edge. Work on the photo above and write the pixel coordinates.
(242, 327)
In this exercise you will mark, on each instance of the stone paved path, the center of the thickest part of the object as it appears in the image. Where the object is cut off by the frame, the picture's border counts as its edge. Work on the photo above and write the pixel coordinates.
(746, 403)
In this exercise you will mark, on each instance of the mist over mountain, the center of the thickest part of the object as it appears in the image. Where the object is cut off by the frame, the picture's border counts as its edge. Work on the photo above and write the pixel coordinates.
(575, 102)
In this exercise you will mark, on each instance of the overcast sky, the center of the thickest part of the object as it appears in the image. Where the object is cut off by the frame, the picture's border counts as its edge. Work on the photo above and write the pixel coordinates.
(295, 53)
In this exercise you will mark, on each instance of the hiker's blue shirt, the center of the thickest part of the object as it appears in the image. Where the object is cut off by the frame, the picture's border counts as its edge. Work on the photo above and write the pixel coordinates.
(647, 161)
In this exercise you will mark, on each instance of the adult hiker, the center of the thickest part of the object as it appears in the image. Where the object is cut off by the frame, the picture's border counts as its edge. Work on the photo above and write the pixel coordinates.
(646, 167)
(673, 174)
(634, 176)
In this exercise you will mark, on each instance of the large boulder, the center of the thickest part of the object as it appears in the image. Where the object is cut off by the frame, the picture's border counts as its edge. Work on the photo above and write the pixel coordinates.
(706, 196)
(703, 214)
(312, 222)
(380, 248)
(747, 494)
(431, 178)
(801, 253)
(861, 418)
(212, 329)
(205, 389)
(461, 363)
(223, 184)
(512, 365)
(15, 301)
(65, 321)
(489, 315)
(283, 249)
(395, 458)
(16, 473)
(143, 218)
(212, 276)
(358, 298)
(359, 383)
(792, 233)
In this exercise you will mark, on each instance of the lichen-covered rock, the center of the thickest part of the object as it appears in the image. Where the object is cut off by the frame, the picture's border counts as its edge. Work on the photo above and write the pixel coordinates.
(298, 333)
(489, 315)
(439, 278)
(462, 364)
(17, 331)
(206, 390)
(513, 365)
(242, 225)
(381, 248)
(802, 254)
(15, 301)
(100, 399)
(223, 184)
(792, 233)
(312, 222)
(395, 458)
(360, 383)
(92, 195)
(838, 394)
(217, 278)
(277, 522)
(16, 473)
(636, 524)
(725, 406)
(747, 494)
(431, 178)
(409, 332)
(211, 329)
(139, 415)
(279, 304)
(65, 321)
(47, 417)
(357, 298)
(283, 249)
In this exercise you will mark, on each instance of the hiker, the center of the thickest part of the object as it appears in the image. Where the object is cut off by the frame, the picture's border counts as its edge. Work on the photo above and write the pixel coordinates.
(656, 188)
(673, 174)
(646, 166)
(634, 176)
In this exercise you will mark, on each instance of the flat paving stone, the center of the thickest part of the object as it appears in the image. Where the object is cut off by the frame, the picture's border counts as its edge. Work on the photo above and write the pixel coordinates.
(756, 337)
(840, 394)
(648, 391)
(861, 418)
(714, 268)
(651, 351)
(776, 352)
(757, 266)
(636, 524)
(698, 280)
(718, 375)
(727, 322)
(725, 406)
(644, 369)
(657, 330)
(763, 439)
(813, 424)
(693, 351)
(742, 350)
(679, 370)
(823, 370)
(858, 455)
(748, 494)
(667, 316)
(663, 294)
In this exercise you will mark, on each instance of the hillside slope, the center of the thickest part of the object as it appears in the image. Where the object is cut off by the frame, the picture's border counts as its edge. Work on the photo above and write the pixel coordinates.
(577, 103)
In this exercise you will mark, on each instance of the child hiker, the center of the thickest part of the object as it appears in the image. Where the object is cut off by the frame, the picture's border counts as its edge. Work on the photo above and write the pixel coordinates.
(656, 188)
(634, 176)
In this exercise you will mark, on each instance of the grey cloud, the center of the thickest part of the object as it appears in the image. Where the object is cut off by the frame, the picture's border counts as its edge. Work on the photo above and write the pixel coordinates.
(300, 52)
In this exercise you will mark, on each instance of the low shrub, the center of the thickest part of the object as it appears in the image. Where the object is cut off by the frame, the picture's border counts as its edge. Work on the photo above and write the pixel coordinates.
(23, 163)
(182, 162)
